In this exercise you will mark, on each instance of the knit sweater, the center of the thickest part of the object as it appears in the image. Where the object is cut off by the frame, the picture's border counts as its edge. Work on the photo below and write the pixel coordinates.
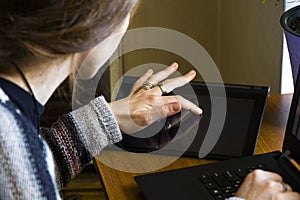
(35, 165)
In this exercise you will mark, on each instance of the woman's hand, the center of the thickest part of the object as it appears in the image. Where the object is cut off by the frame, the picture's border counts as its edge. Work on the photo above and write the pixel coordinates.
(263, 185)
(144, 105)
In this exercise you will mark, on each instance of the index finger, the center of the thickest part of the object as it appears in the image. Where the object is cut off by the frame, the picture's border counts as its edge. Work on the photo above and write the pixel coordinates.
(187, 105)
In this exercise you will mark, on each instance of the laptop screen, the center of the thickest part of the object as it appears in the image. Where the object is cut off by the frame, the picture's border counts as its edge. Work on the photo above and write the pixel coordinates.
(292, 134)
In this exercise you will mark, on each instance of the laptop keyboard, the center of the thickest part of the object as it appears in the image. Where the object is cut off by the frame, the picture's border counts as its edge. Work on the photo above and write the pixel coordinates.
(224, 184)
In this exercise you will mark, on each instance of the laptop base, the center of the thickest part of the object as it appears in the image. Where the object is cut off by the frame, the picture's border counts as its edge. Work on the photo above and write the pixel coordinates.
(213, 181)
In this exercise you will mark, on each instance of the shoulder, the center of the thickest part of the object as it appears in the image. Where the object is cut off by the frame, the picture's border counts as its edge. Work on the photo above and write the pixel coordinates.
(8, 113)
(5, 107)
(3, 97)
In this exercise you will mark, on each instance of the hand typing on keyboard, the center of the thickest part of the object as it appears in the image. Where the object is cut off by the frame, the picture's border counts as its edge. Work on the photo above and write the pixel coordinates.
(263, 185)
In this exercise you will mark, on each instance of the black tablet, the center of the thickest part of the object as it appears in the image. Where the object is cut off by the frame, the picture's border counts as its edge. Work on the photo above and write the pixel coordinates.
(244, 111)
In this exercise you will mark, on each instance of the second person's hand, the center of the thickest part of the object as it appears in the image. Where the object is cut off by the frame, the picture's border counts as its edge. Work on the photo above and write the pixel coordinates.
(264, 185)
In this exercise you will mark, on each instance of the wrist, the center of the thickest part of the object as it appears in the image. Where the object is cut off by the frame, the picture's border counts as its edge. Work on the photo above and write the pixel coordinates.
(119, 112)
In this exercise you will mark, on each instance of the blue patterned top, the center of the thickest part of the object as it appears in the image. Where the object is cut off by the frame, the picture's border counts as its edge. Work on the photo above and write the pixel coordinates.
(34, 165)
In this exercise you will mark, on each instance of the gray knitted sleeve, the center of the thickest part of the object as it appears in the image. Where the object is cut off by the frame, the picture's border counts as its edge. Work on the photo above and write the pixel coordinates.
(97, 125)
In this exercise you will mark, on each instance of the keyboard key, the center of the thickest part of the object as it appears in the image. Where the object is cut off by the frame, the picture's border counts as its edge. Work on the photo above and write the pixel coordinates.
(231, 176)
(237, 184)
(241, 172)
(260, 166)
(220, 197)
(205, 178)
(216, 192)
(252, 168)
(220, 179)
(211, 185)
(249, 169)
(224, 184)
(228, 189)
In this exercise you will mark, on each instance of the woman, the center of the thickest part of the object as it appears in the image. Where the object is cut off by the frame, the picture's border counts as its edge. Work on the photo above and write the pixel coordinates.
(41, 44)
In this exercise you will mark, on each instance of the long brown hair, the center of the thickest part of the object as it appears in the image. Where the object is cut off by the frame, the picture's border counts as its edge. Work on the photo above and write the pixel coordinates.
(48, 29)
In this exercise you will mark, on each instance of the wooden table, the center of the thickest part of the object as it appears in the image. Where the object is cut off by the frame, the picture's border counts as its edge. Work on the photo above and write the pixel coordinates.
(120, 185)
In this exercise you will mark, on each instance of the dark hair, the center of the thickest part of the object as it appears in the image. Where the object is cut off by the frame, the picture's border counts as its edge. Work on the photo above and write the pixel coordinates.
(52, 28)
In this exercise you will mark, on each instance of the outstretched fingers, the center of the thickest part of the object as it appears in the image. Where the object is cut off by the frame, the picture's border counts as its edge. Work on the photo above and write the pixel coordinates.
(173, 83)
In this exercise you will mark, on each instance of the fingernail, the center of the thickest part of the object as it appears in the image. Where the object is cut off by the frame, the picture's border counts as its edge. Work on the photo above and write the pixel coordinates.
(174, 65)
(149, 71)
(198, 111)
(192, 73)
(176, 107)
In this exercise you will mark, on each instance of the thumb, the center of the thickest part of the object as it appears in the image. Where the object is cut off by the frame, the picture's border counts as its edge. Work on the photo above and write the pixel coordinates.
(165, 111)
(145, 118)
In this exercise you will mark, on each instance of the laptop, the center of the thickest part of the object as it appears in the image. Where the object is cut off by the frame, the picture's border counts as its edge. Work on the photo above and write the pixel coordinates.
(222, 179)
(245, 106)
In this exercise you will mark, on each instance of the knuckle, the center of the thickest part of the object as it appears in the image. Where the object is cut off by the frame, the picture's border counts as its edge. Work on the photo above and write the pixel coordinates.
(165, 110)
(179, 97)
(153, 98)
(167, 82)
(143, 119)
(153, 78)
(269, 184)
(255, 175)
